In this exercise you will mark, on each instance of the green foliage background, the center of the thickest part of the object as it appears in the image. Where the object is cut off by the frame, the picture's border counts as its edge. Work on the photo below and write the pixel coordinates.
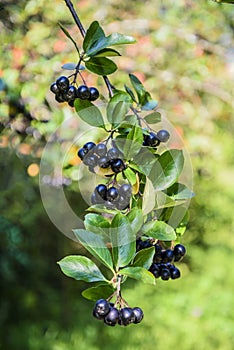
(184, 55)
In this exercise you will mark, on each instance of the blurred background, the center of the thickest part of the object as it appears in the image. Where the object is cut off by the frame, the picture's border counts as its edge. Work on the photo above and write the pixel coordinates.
(185, 57)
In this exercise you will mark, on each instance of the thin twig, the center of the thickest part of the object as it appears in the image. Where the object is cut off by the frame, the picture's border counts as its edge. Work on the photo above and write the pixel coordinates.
(76, 18)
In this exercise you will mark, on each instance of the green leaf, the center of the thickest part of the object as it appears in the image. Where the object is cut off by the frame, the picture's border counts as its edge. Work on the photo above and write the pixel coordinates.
(69, 37)
(149, 104)
(89, 113)
(159, 230)
(130, 92)
(135, 217)
(134, 142)
(81, 268)
(95, 245)
(148, 202)
(163, 201)
(117, 109)
(93, 34)
(153, 118)
(111, 40)
(107, 53)
(101, 65)
(130, 175)
(144, 258)
(138, 273)
(102, 291)
(96, 223)
(123, 240)
(179, 191)
(144, 160)
(167, 169)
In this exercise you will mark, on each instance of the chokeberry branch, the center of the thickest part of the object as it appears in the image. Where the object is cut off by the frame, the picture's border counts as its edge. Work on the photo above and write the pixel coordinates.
(76, 18)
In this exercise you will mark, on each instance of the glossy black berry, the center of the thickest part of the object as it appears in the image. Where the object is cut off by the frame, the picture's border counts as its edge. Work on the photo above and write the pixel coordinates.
(163, 135)
(59, 98)
(179, 252)
(101, 190)
(175, 272)
(102, 307)
(158, 253)
(125, 190)
(151, 140)
(97, 316)
(83, 92)
(81, 153)
(167, 255)
(113, 153)
(165, 274)
(100, 149)
(112, 317)
(112, 194)
(138, 313)
(155, 269)
(54, 88)
(122, 203)
(90, 160)
(88, 146)
(117, 165)
(103, 162)
(96, 199)
(94, 94)
(70, 94)
(62, 83)
(126, 316)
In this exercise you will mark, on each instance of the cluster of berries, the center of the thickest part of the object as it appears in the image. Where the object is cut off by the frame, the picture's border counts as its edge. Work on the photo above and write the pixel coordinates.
(64, 92)
(112, 197)
(103, 310)
(163, 259)
(93, 155)
(153, 139)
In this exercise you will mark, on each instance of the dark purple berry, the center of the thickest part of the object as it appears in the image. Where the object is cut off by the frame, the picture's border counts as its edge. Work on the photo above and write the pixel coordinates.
(163, 135)
(151, 140)
(100, 149)
(83, 92)
(138, 313)
(125, 190)
(158, 253)
(96, 199)
(126, 316)
(54, 88)
(94, 94)
(113, 153)
(101, 190)
(117, 165)
(70, 94)
(102, 307)
(179, 252)
(59, 98)
(165, 274)
(81, 153)
(90, 160)
(97, 316)
(167, 256)
(155, 269)
(103, 162)
(62, 83)
(71, 103)
(175, 272)
(122, 203)
(112, 194)
(88, 146)
(112, 317)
